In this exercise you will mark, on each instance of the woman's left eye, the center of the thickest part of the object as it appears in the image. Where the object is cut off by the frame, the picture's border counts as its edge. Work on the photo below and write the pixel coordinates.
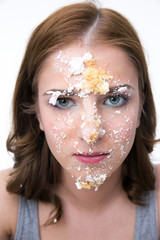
(116, 100)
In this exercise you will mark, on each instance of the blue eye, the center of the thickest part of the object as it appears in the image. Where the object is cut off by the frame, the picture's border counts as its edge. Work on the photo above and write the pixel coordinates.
(116, 100)
(64, 103)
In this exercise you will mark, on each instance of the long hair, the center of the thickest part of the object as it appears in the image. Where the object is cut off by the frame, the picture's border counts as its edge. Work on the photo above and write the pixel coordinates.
(36, 171)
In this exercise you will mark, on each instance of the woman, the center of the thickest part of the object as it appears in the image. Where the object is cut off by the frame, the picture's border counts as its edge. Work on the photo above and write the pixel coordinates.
(83, 127)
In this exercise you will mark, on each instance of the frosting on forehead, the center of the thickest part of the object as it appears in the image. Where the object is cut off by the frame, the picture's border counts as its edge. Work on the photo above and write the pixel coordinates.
(77, 63)
(95, 80)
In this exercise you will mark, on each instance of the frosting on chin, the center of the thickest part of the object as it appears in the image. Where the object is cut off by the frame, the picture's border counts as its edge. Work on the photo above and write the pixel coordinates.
(91, 182)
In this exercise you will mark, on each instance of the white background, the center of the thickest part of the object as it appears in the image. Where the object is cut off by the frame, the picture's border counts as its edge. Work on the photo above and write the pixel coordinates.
(18, 18)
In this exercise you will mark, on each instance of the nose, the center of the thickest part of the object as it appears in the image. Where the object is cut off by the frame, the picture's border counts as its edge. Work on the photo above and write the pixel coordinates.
(91, 125)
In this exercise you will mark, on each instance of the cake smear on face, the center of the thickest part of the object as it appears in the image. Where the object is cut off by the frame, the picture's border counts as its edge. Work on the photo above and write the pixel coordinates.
(92, 80)
(95, 80)
(88, 78)
(95, 182)
(89, 117)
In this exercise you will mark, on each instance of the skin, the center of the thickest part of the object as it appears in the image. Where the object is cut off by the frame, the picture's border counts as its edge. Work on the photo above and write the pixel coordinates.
(96, 215)
(67, 129)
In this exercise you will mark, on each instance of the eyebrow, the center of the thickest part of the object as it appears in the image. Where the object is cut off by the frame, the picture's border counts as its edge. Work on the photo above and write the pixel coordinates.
(63, 92)
(116, 88)
(75, 93)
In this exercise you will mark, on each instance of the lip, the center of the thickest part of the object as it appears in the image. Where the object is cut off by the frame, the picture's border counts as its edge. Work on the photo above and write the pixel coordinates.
(91, 158)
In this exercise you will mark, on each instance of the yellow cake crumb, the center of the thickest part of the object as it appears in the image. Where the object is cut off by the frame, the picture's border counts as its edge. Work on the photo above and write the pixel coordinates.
(92, 138)
(90, 63)
(87, 185)
(88, 169)
(87, 123)
(97, 122)
(95, 78)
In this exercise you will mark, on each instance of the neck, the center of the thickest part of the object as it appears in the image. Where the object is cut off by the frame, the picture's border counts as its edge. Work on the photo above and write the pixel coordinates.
(89, 199)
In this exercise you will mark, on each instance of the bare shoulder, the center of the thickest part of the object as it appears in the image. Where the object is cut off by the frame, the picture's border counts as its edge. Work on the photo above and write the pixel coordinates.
(8, 207)
(157, 168)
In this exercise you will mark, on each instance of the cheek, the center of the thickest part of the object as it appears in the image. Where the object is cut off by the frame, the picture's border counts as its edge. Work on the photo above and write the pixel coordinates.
(121, 131)
(59, 132)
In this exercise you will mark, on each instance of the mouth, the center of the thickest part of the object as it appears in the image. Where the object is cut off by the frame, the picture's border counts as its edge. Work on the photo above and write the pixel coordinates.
(91, 157)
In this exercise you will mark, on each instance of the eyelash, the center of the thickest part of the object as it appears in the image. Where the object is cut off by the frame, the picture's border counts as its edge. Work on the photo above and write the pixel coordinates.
(64, 107)
(124, 100)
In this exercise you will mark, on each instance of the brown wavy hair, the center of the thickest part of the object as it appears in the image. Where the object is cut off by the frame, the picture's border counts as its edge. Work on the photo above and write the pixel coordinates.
(36, 171)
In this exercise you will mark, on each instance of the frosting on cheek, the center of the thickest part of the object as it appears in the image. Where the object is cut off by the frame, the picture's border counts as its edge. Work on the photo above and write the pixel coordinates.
(59, 131)
(123, 133)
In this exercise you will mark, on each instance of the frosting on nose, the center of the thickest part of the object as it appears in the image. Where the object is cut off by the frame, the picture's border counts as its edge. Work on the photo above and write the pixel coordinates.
(91, 126)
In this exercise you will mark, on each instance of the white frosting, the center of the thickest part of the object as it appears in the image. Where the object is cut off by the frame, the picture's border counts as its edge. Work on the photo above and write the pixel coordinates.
(54, 96)
(122, 89)
(77, 63)
(90, 181)
(59, 55)
(118, 111)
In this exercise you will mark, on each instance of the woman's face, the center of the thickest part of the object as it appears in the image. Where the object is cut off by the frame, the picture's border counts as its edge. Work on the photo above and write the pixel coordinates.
(89, 108)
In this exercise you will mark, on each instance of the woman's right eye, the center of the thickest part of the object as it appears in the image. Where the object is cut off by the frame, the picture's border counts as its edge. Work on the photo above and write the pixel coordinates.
(64, 103)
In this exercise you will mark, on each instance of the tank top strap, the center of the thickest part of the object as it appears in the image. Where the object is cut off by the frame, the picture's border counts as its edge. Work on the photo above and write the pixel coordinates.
(146, 219)
(27, 225)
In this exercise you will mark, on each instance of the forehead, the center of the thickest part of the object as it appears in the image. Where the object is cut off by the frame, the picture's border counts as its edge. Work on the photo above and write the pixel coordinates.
(56, 72)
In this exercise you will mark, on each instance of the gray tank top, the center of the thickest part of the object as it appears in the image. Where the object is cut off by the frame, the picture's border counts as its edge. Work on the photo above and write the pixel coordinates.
(146, 220)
